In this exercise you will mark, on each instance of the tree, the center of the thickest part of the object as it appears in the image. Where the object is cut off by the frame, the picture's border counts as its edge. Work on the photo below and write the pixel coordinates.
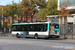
(42, 4)
(19, 12)
(37, 17)
(11, 10)
(29, 6)
(64, 13)
(43, 14)
(1, 13)
(24, 7)
(52, 7)
(5, 24)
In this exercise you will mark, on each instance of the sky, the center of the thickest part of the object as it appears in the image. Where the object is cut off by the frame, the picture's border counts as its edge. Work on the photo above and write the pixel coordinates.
(5, 2)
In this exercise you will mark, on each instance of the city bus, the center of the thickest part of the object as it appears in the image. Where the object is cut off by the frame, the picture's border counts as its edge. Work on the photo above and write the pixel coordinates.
(36, 30)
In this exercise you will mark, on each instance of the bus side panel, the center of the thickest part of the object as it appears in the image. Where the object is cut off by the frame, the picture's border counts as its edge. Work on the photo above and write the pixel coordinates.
(40, 34)
(15, 32)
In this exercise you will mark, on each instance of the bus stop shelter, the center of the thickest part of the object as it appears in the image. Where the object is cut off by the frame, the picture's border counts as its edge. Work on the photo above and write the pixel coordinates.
(70, 28)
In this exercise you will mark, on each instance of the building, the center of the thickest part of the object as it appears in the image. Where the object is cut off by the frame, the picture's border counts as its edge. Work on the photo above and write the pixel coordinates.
(70, 19)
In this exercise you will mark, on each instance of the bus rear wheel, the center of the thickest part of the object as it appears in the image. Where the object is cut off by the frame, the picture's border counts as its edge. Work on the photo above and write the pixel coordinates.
(36, 36)
(17, 35)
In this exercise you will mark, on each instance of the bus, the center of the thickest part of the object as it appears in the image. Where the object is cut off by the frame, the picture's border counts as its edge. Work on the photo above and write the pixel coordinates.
(36, 30)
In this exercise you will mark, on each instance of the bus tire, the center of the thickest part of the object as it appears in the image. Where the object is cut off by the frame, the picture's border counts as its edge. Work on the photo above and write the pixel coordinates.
(36, 36)
(17, 35)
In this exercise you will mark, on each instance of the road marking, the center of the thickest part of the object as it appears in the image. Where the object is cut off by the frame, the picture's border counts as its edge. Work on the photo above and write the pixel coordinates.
(35, 45)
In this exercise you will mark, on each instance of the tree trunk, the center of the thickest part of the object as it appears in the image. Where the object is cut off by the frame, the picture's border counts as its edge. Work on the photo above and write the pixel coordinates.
(18, 18)
(26, 18)
(13, 19)
(65, 26)
(31, 18)
(4, 31)
(9, 29)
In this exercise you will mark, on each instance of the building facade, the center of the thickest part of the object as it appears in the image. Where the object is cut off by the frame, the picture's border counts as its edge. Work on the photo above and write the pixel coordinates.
(70, 21)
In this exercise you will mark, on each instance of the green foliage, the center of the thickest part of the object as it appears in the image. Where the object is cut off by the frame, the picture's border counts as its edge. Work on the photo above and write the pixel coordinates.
(18, 12)
(24, 5)
(29, 6)
(1, 12)
(42, 4)
(6, 23)
(11, 9)
(43, 13)
(65, 38)
(52, 7)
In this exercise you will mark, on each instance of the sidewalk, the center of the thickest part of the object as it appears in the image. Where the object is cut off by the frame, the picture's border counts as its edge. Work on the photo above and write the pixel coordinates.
(5, 34)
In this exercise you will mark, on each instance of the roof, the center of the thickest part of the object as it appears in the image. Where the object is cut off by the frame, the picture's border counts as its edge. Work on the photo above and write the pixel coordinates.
(50, 16)
(31, 23)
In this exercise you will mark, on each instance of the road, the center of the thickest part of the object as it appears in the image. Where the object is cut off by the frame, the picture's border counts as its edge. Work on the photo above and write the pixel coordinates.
(13, 43)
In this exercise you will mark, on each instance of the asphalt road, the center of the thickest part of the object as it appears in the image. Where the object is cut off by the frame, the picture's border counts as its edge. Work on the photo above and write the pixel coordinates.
(13, 43)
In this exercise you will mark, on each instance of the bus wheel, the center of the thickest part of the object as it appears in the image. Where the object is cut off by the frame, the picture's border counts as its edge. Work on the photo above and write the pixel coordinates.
(17, 35)
(36, 36)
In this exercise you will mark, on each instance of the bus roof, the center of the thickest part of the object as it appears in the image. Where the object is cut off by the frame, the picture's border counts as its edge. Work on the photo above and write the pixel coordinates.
(31, 23)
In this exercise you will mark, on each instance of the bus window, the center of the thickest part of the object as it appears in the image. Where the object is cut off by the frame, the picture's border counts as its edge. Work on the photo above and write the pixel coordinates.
(39, 27)
(13, 28)
(45, 27)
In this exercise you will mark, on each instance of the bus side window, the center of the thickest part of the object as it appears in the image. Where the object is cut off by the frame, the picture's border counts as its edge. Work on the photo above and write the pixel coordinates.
(41, 28)
(14, 28)
(22, 28)
(32, 28)
(27, 29)
(19, 28)
(46, 27)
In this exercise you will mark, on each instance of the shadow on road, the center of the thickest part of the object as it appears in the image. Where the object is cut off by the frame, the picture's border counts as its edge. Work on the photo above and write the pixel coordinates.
(45, 39)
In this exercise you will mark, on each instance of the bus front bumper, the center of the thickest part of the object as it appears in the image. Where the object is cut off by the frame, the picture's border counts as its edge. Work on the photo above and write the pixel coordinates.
(54, 36)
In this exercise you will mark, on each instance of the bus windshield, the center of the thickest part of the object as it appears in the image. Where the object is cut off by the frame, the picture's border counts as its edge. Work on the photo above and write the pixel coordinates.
(55, 25)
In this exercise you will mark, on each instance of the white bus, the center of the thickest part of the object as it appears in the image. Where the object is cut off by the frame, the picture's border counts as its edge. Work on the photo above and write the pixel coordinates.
(36, 30)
